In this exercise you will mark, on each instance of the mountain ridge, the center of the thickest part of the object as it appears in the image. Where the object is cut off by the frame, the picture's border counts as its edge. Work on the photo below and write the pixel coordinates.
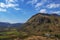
(40, 24)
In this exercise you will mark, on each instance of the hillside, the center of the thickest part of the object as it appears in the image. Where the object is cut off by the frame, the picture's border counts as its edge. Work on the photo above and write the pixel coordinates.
(39, 38)
(44, 25)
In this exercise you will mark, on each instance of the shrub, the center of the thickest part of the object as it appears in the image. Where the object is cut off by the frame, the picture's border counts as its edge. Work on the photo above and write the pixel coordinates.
(57, 35)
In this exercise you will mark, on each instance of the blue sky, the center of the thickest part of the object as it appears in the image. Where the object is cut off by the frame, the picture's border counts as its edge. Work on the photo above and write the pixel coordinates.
(19, 11)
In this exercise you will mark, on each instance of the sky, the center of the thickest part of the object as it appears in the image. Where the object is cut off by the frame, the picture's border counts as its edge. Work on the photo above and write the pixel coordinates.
(19, 11)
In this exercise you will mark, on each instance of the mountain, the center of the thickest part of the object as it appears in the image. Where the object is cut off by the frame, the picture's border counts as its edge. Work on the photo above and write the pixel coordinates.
(43, 24)
(16, 24)
(2, 24)
(5, 25)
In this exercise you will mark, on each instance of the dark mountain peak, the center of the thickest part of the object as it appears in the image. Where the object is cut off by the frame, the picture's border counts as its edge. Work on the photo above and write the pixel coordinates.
(40, 17)
(46, 14)
(54, 14)
(43, 15)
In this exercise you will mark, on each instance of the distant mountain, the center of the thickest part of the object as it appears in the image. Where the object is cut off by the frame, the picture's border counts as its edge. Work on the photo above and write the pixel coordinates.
(16, 24)
(43, 23)
(5, 25)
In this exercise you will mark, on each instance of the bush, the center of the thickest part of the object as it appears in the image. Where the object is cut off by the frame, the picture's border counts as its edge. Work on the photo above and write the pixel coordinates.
(57, 35)
(23, 35)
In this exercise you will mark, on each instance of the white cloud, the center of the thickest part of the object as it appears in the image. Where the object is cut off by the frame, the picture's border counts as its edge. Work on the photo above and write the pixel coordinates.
(52, 5)
(57, 12)
(3, 10)
(38, 5)
(43, 11)
(17, 8)
(32, 2)
(11, 5)
(8, 4)
(11, 1)
(3, 5)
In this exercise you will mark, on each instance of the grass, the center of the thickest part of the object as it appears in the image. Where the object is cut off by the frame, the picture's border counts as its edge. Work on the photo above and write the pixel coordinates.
(12, 35)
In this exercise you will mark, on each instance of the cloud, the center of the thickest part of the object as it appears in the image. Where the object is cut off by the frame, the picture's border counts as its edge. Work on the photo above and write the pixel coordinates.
(2, 5)
(57, 12)
(3, 10)
(11, 5)
(17, 9)
(32, 2)
(38, 5)
(8, 4)
(43, 11)
(53, 5)
(11, 1)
